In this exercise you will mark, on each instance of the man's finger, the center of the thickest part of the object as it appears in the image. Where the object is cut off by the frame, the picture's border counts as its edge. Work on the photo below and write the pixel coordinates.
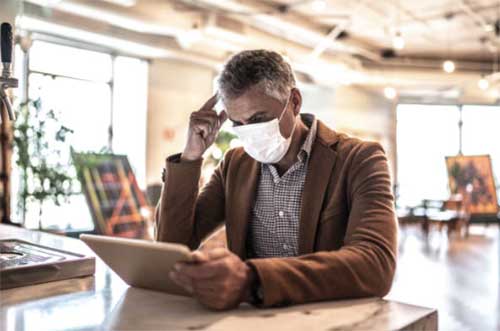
(206, 285)
(203, 264)
(196, 271)
(209, 115)
(205, 255)
(201, 271)
(210, 103)
(182, 281)
(199, 256)
(207, 270)
(202, 128)
(222, 118)
(217, 253)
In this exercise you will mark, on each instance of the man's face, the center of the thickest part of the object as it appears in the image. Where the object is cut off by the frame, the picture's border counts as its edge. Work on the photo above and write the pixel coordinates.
(254, 106)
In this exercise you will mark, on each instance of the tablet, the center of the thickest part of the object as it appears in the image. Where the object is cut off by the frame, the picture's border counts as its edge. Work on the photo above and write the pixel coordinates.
(140, 263)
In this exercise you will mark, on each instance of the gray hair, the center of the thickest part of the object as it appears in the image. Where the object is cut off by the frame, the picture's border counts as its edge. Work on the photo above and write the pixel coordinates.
(263, 69)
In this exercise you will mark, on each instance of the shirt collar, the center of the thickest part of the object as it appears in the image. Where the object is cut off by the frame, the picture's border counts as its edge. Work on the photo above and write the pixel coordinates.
(312, 123)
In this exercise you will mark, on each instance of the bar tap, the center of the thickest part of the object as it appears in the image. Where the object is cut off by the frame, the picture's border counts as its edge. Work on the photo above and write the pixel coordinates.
(6, 79)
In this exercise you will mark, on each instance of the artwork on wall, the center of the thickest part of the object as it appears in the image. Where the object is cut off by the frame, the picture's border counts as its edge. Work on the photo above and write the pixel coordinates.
(115, 200)
(472, 177)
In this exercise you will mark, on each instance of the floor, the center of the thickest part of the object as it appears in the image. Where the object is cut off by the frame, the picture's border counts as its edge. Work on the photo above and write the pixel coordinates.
(458, 276)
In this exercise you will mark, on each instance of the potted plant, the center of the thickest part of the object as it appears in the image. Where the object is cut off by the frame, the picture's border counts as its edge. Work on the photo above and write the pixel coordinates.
(40, 147)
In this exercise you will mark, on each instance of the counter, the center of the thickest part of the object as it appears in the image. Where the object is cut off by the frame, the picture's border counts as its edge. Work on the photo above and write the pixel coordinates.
(105, 302)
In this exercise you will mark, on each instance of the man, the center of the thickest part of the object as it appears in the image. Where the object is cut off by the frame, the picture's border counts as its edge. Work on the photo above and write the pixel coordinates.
(309, 212)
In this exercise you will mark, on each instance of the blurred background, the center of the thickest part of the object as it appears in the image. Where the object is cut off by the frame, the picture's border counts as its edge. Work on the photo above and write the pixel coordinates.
(106, 88)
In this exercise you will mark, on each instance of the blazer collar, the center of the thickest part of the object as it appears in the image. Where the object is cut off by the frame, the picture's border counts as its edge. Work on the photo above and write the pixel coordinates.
(326, 135)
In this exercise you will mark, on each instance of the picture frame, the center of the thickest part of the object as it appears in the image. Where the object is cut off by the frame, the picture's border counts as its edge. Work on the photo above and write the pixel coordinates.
(117, 204)
(472, 177)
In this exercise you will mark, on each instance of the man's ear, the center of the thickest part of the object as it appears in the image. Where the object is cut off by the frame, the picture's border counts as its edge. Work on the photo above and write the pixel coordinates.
(296, 100)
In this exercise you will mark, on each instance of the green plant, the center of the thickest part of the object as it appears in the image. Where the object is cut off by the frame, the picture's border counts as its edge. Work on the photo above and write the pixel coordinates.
(41, 149)
(222, 143)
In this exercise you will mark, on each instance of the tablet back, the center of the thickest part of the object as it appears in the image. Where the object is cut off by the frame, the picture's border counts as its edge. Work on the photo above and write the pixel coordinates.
(140, 263)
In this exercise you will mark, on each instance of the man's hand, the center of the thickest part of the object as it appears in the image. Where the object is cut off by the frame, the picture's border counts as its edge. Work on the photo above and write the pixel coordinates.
(204, 125)
(217, 278)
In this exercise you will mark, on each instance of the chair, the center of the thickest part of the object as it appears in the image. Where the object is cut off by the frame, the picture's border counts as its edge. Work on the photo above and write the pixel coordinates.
(452, 214)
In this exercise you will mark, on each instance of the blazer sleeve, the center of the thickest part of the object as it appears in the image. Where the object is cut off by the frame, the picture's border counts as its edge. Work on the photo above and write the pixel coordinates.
(365, 265)
(185, 214)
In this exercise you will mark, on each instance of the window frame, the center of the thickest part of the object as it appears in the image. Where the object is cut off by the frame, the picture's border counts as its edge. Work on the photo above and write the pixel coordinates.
(460, 108)
(26, 72)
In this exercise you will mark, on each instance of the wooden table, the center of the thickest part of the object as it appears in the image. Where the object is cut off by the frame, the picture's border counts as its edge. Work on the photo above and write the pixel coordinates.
(105, 302)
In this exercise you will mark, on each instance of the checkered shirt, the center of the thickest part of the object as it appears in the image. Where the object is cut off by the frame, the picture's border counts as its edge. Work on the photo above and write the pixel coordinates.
(274, 225)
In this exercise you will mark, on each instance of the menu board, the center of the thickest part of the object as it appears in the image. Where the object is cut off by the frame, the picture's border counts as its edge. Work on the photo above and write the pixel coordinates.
(115, 200)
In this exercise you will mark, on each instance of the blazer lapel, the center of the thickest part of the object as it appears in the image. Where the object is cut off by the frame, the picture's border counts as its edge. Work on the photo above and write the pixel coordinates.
(242, 197)
(320, 166)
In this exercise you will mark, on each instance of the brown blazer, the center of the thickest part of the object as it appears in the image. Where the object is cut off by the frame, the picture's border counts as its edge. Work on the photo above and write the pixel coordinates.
(347, 232)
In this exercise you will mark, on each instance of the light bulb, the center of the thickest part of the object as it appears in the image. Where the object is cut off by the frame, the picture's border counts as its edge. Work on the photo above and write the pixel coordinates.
(318, 5)
(190, 37)
(390, 92)
(398, 42)
(449, 66)
(488, 27)
(50, 3)
(483, 83)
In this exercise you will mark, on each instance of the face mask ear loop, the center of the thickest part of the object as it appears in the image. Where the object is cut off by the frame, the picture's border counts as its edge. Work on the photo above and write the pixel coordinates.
(283, 112)
(284, 109)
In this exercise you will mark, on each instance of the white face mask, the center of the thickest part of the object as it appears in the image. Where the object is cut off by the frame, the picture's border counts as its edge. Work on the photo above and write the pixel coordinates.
(263, 141)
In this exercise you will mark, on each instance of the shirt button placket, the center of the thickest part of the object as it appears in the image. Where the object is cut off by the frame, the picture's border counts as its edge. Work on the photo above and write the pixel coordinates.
(279, 209)
(276, 202)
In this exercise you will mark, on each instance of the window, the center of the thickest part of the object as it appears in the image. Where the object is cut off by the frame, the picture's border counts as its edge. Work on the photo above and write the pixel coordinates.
(103, 98)
(426, 134)
(481, 134)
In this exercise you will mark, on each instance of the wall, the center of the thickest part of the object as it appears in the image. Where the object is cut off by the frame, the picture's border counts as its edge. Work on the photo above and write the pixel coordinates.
(357, 111)
(8, 10)
(368, 115)
(175, 90)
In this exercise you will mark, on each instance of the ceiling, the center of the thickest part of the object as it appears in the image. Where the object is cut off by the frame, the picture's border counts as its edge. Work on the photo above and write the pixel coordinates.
(431, 29)
(329, 41)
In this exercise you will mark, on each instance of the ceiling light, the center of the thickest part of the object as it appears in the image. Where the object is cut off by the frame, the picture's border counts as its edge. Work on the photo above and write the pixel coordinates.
(449, 66)
(483, 83)
(398, 42)
(318, 5)
(190, 37)
(390, 92)
(488, 27)
(49, 3)
(125, 3)
(227, 35)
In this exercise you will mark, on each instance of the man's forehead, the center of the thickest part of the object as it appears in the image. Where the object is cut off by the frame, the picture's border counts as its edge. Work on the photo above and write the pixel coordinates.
(248, 105)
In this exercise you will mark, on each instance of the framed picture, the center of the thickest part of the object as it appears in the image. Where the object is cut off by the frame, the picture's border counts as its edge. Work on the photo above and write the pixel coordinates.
(115, 200)
(472, 177)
